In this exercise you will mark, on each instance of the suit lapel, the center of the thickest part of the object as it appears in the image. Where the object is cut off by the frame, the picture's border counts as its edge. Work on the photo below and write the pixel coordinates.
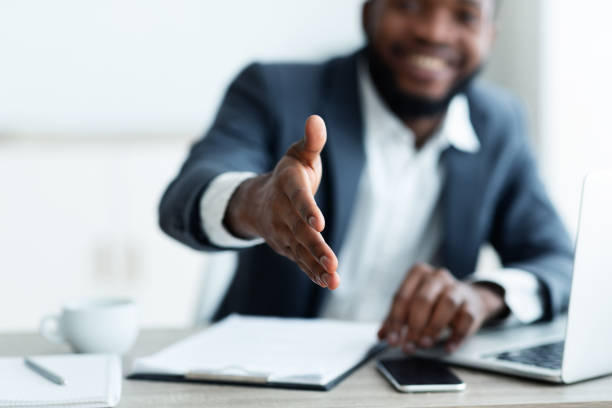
(344, 155)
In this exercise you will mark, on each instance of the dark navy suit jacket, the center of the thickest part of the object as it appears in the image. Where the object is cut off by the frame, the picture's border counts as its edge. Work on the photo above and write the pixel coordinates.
(492, 196)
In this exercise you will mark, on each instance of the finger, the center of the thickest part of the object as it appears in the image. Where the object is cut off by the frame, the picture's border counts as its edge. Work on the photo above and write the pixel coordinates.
(284, 242)
(461, 327)
(401, 300)
(320, 275)
(408, 347)
(298, 189)
(314, 242)
(306, 269)
(309, 148)
(413, 280)
(444, 310)
(383, 330)
(333, 281)
(314, 277)
(423, 301)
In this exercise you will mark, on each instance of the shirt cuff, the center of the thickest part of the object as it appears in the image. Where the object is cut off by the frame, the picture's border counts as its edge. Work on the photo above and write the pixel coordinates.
(213, 204)
(522, 292)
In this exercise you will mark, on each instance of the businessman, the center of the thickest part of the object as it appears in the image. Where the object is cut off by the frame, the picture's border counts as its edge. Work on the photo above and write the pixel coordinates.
(405, 167)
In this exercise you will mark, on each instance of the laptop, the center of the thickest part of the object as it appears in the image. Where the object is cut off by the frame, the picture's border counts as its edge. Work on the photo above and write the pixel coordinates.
(574, 347)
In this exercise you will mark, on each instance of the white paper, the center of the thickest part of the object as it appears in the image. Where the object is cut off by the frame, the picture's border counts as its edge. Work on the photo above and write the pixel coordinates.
(91, 380)
(313, 351)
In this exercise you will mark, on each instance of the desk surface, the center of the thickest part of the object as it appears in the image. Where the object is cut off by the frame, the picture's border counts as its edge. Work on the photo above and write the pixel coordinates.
(365, 388)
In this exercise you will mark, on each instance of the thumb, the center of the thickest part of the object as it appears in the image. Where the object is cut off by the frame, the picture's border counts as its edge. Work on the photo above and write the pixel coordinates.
(315, 136)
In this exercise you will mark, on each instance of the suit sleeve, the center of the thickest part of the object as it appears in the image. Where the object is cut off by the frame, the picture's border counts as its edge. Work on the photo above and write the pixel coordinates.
(528, 233)
(239, 140)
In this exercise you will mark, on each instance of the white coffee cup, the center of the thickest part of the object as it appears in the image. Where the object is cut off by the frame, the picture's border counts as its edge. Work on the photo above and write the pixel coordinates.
(94, 325)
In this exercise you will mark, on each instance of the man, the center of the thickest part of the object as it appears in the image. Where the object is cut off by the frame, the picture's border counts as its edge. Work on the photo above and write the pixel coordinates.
(406, 171)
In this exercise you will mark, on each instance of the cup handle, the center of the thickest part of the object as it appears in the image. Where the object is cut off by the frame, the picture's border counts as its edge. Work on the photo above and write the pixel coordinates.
(49, 329)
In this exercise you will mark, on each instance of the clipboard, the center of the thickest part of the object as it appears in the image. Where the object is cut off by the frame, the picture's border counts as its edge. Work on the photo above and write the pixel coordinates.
(273, 343)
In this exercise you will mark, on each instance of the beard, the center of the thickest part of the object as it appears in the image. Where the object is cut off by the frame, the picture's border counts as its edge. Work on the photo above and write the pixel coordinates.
(407, 105)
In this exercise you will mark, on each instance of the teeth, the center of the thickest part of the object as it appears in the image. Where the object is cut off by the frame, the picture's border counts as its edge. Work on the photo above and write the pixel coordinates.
(427, 62)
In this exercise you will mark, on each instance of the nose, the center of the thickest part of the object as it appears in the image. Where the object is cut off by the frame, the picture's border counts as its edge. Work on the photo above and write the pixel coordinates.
(434, 26)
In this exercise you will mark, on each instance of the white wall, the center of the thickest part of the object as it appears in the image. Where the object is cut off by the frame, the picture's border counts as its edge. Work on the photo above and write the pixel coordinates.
(517, 58)
(148, 66)
(555, 55)
(577, 85)
(79, 219)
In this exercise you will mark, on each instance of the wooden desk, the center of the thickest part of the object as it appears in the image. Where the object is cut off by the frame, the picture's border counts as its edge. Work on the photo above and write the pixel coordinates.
(365, 388)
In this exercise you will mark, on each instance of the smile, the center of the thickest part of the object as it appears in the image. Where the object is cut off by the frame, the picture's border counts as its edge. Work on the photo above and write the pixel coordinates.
(427, 62)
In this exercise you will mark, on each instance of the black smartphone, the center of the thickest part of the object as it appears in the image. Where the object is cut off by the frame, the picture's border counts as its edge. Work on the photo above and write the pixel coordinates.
(413, 374)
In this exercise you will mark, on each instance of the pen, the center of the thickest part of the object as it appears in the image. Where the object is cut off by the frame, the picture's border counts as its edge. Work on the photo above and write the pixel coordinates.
(45, 372)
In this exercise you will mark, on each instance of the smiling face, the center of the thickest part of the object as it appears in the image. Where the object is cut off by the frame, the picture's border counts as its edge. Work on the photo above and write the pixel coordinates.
(429, 47)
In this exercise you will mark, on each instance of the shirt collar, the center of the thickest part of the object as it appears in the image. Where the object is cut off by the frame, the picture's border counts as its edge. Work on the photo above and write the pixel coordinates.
(456, 129)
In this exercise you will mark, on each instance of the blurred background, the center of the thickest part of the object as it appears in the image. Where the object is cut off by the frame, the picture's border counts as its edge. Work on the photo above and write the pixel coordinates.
(100, 100)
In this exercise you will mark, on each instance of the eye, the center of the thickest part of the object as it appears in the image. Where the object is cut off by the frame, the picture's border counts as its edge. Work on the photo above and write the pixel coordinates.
(408, 5)
(467, 17)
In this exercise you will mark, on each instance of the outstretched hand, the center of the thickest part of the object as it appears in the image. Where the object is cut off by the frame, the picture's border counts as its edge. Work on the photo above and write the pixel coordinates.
(280, 207)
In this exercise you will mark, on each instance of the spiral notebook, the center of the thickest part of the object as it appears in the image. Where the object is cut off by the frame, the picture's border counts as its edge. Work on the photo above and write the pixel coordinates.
(92, 380)
(275, 352)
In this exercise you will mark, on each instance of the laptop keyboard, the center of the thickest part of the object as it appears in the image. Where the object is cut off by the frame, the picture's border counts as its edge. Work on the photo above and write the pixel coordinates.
(546, 355)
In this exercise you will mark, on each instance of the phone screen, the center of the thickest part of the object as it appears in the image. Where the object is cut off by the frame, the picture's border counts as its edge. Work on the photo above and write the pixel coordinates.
(414, 371)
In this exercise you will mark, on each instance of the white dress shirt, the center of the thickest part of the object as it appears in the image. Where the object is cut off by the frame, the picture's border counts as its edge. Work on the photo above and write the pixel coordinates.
(397, 218)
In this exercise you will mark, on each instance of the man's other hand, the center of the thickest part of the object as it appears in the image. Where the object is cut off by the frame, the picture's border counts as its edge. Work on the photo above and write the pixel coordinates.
(430, 300)
(280, 207)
